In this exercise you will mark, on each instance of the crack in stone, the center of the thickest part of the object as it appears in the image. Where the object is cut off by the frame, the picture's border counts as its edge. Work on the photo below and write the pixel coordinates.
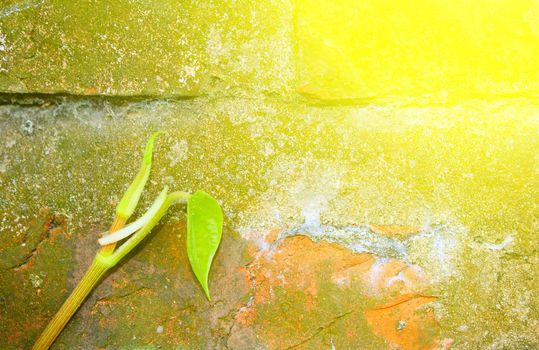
(320, 329)
(249, 302)
(229, 332)
(405, 301)
(27, 259)
(51, 223)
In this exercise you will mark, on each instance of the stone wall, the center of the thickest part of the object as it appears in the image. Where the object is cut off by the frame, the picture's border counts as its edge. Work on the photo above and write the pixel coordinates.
(376, 162)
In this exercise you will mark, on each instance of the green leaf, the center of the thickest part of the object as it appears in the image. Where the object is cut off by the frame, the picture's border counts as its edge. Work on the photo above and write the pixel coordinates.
(204, 231)
(129, 201)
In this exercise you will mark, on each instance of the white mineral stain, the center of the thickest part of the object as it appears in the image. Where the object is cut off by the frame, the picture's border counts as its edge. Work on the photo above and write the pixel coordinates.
(3, 46)
(18, 7)
(506, 242)
(376, 273)
(399, 277)
(178, 152)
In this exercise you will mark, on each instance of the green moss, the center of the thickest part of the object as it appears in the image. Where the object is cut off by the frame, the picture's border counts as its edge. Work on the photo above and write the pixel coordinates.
(465, 170)
(33, 289)
(167, 48)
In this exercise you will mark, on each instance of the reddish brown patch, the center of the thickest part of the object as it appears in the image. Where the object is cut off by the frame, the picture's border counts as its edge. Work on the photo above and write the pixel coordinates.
(170, 326)
(246, 276)
(246, 316)
(272, 236)
(298, 263)
(406, 323)
(90, 91)
(297, 260)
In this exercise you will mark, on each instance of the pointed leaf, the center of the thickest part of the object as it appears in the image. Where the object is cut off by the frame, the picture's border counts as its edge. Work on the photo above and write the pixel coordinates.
(204, 231)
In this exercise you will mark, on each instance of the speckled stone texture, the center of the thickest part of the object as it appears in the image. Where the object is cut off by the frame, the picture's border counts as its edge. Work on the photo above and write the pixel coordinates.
(378, 177)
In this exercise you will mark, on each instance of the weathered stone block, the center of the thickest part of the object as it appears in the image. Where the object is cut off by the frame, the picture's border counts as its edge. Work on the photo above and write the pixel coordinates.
(427, 50)
(169, 48)
(418, 224)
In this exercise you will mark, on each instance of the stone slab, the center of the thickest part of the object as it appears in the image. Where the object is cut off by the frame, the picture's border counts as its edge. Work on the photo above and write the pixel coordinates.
(409, 51)
(441, 200)
(149, 48)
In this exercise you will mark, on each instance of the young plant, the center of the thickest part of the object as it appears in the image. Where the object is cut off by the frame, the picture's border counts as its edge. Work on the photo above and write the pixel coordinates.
(204, 231)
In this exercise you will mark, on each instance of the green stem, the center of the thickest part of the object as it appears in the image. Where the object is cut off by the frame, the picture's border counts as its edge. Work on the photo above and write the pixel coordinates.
(103, 261)
(89, 281)
(137, 237)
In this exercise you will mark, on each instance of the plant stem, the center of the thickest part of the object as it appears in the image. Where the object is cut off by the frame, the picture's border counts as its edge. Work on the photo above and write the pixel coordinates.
(81, 291)
(136, 238)
(105, 258)
(88, 282)
(119, 222)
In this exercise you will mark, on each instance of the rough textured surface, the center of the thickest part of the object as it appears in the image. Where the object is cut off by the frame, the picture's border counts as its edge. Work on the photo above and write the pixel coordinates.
(33, 277)
(322, 295)
(417, 51)
(275, 163)
(381, 51)
(395, 208)
(166, 48)
(440, 202)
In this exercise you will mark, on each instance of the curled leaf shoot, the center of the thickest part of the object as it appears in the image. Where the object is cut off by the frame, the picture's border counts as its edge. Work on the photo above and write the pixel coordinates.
(137, 237)
(129, 201)
(205, 233)
(135, 225)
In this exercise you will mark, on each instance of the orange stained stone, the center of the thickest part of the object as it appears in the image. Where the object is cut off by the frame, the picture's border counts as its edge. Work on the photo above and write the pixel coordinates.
(406, 322)
(246, 277)
(299, 263)
(246, 316)
(297, 260)
(90, 91)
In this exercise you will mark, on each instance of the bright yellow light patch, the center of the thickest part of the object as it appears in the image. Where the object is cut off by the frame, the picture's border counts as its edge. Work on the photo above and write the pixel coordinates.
(430, 49)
